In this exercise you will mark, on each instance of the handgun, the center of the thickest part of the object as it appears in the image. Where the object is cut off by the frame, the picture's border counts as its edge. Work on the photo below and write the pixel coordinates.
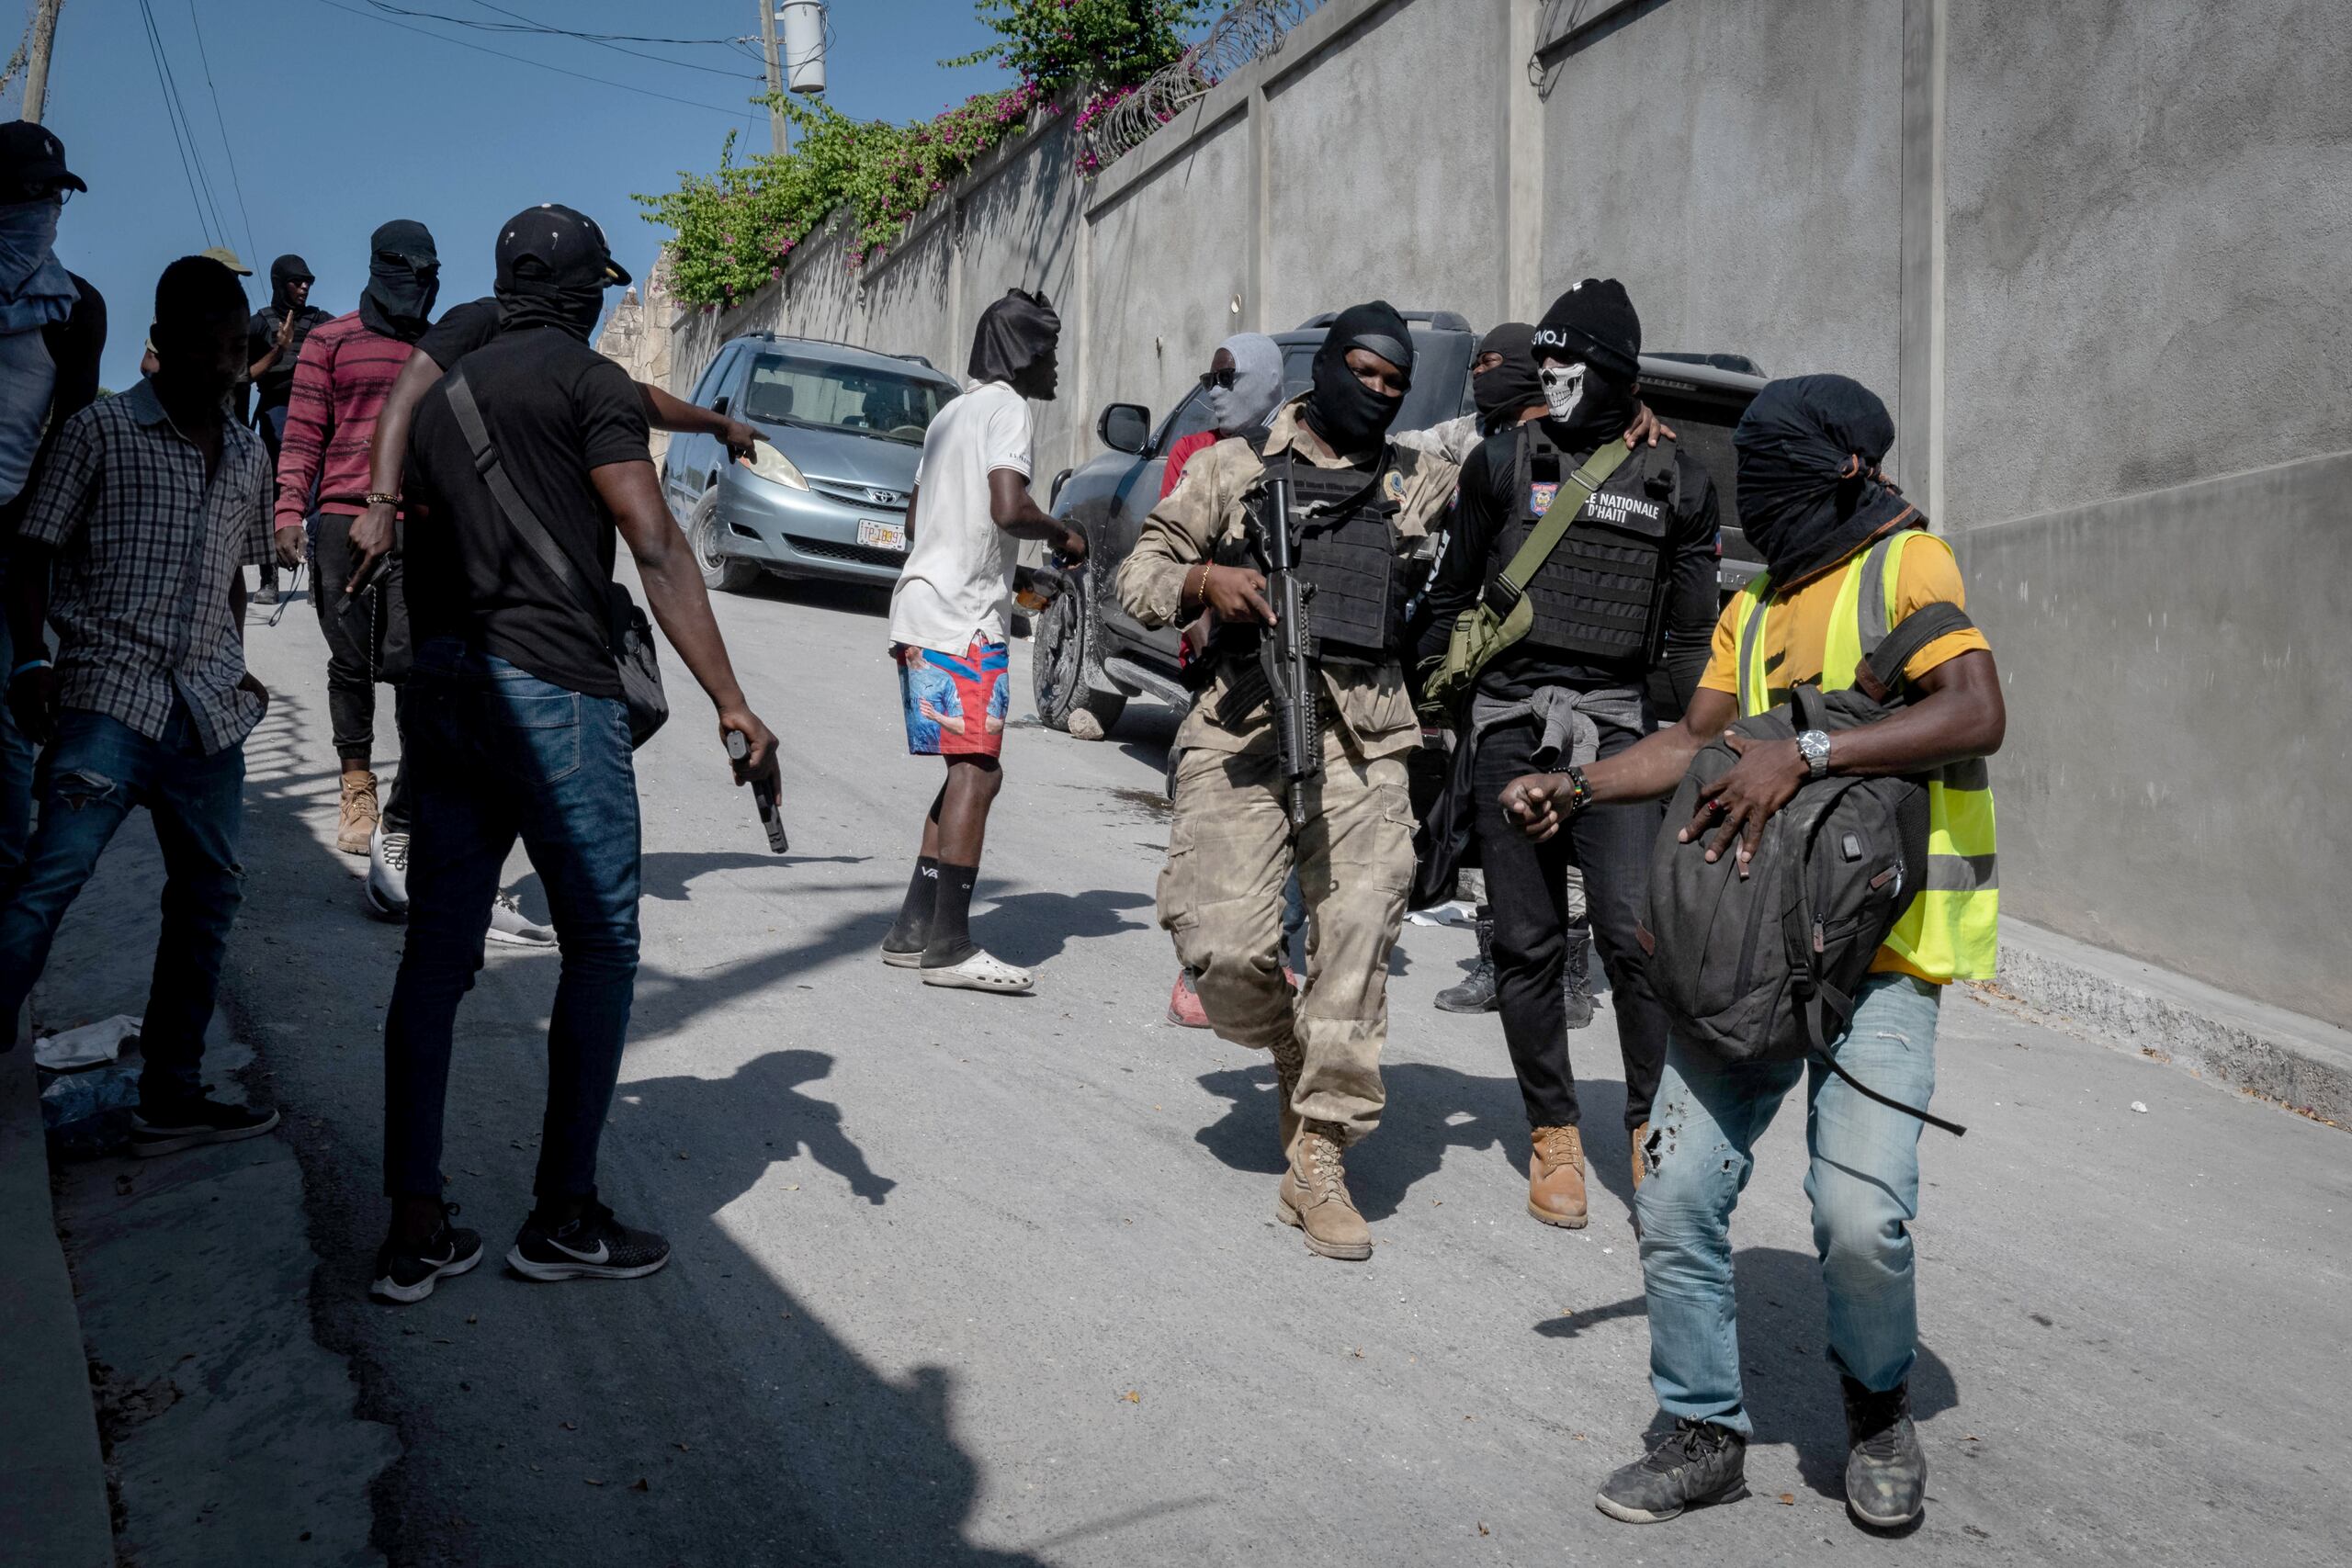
(762, 792)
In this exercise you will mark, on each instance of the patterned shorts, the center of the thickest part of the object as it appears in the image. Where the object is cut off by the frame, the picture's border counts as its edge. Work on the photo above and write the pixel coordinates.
(954, 706)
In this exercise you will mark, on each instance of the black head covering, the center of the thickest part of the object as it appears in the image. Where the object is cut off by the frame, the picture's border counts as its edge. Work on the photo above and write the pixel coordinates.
(404, 276)
(1510, 388)
(1015, 334)
(286, 269)
(1594, 321)
(1810, 492)
(1341, 410)
(553, 268)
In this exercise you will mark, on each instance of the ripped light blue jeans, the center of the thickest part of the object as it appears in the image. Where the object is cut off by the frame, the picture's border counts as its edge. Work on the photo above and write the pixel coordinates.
(1863, 1181)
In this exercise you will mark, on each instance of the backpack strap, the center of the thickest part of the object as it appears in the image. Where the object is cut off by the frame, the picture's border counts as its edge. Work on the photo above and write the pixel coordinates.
(1502, 594)
(1828, 999)
(1879, 676)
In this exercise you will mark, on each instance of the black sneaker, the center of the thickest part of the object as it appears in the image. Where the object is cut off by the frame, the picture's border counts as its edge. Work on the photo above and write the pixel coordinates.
(165, 1127)
(593, 1246)
(1886, 1470)
(1697, 1463)
(409, 1273)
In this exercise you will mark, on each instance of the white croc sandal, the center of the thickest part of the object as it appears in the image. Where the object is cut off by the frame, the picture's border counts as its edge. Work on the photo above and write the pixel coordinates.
(982, 973)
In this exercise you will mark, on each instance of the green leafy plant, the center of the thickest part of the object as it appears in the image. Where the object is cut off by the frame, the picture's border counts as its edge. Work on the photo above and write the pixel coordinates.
(736, 228)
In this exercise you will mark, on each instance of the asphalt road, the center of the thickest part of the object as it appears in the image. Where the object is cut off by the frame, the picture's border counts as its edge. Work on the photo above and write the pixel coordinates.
(967, 1280)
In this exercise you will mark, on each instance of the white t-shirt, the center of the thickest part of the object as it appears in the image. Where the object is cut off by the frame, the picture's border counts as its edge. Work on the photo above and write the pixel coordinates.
(958, 579)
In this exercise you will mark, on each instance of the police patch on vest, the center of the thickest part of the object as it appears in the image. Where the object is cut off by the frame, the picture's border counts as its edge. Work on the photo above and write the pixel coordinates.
(1393, 485)
(1611, 508)
(1540, 497)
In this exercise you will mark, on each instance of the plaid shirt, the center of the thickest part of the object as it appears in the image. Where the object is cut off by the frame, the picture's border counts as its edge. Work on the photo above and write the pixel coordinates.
(146, 551)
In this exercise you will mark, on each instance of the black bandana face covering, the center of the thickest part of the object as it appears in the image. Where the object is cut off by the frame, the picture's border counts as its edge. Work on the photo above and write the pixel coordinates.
(1809, 494)
(534, 303)
(1341, 409)
(1510, 389)
(403, 278)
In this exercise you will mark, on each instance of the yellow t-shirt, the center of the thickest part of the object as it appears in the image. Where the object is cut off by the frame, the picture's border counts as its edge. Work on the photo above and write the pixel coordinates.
(1796, 628)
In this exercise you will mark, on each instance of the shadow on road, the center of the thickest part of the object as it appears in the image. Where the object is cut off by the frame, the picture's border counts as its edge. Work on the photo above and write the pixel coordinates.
(1431, 1109)
(1029, 928)
(850, 598)
(706, 1414)
(1792, 1395)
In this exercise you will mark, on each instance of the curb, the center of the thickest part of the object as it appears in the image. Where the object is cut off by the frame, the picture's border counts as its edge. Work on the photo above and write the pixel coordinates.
(52, 1481)
(2300, 1061)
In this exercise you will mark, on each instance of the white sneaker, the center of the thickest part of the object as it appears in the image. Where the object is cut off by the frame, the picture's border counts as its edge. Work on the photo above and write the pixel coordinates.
(982, 973)
(385, 891)
(510, 925)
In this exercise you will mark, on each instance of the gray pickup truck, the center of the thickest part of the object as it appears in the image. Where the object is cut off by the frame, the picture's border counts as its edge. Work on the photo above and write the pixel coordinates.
(1092, 655)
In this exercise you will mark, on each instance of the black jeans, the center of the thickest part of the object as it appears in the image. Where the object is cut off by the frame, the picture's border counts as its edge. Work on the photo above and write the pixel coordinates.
(367, 645)
(1611, 845)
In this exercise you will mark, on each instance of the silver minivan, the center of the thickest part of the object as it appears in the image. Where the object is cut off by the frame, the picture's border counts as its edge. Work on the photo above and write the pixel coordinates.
(842, 429)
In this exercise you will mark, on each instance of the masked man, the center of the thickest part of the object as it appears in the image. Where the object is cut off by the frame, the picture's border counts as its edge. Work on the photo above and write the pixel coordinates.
(345, 373)
(1635, 566)
(274, 345)
(1359, 508)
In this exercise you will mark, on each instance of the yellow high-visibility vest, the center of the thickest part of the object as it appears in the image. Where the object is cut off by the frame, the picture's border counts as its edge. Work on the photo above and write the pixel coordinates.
(1951, 930)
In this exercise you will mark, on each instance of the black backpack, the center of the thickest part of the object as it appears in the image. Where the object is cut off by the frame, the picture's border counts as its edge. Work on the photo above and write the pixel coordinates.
(1764, 967)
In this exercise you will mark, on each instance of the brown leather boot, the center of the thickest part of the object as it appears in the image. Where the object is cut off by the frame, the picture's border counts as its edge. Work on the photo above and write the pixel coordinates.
(1556, 1179)
(1641, 1164)
(359, 813)
(1290, 1061)
(1314, 1197)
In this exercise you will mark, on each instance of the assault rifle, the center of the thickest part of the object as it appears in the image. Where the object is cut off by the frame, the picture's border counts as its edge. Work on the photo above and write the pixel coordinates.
(1285, 649)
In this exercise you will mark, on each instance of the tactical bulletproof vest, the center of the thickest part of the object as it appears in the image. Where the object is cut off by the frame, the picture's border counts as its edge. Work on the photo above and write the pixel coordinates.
(1345, 523)
(1601, 594)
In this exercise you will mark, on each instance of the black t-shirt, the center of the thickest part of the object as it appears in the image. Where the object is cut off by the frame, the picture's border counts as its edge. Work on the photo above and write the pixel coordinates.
(274, 387)
(555, 409)
(460, 331)
(1483, 510)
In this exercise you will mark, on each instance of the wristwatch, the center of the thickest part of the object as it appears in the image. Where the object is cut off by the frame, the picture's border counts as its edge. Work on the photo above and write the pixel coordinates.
(1814, 746)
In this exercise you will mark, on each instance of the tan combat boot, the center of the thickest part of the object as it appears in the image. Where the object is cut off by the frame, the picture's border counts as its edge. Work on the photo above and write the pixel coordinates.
(1641, 1165)
(1290, 1061)
(359, 814)
(1314, 1197)
(1556, 1179)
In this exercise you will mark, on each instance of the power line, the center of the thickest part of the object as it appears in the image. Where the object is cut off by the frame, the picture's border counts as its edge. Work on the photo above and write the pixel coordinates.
(523, 24)
(524, 60)
(155, 52)
(188, 126)
(235, 180)
(604, 43)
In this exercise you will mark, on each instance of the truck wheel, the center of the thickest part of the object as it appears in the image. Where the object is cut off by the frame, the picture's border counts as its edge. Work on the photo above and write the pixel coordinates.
(707, 533)
(1065, 666)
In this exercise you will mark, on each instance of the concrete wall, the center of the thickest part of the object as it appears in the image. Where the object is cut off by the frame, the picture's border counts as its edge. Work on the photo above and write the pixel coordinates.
(2092, 254)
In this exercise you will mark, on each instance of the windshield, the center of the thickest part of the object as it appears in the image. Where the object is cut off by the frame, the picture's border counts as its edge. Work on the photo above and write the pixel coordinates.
(787, 389)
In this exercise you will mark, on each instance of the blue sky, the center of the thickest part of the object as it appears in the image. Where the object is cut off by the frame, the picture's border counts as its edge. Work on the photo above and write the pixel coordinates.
(340, 121)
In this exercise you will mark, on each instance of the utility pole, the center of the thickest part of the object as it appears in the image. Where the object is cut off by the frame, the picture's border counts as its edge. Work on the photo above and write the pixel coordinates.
(45, 33)
(779, 127)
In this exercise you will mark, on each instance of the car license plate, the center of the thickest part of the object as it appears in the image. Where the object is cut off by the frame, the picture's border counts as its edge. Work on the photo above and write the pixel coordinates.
(877, 535)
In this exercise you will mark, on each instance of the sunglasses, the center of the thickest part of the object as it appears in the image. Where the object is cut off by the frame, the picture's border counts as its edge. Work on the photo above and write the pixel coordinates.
(1219, 378)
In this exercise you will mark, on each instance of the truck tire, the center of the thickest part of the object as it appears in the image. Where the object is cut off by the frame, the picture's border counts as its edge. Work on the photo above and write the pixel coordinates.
(1066, 662)
(721, 572)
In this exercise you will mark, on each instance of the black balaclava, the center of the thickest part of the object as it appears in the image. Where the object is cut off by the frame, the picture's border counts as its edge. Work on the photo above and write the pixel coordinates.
(1015, 334)
(404, 276)
(527, 301)
(1510, 389)
(287, 269)
(1594, 333)
(1349, 415)
(1810, 492)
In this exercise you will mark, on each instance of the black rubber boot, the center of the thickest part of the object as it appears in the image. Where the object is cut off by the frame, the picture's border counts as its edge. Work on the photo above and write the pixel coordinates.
(1886, 1470)
(1579, 977)
(1476, 992)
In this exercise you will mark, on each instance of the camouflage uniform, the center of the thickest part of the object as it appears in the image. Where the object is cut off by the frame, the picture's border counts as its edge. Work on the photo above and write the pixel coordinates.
(1231, 847)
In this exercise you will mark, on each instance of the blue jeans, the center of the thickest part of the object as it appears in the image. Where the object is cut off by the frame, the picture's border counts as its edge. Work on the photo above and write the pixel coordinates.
(493, 754)
(16, 758)
(94, 771)
(1864, 1184)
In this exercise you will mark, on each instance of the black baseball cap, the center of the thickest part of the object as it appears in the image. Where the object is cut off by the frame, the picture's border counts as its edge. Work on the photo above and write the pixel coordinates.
(566, 243)
(31, 156)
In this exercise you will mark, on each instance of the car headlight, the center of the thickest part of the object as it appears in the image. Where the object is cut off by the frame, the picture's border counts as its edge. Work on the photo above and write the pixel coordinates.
(774, 467)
